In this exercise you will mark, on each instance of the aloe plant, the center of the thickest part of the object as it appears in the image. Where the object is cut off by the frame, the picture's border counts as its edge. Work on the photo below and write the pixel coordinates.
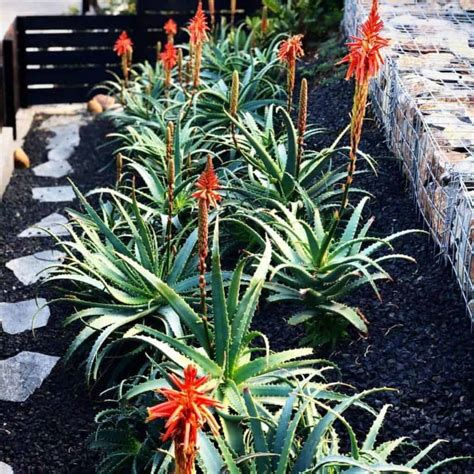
(226, 348)
(274, 169)
(318, 276)
(110, 293)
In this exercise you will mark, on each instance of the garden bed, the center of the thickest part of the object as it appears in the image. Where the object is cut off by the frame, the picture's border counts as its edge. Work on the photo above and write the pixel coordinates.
(419, 339)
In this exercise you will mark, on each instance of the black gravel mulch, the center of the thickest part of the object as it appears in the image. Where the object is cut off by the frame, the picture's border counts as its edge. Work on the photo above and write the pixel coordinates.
(420, 338)
(48, 432)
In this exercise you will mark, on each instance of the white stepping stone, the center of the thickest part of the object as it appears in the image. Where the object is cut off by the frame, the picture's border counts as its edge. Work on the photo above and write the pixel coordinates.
(54, 194)
(66, 135)
(24, 316)
(31, 268)
(22, 374)
(53, 169)
(5, 468)
(53, 223)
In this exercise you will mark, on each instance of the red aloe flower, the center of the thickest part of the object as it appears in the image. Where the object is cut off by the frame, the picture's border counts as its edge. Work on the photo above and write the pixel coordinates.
(198, 27)
(171, 28)
(364, 56)
(208, 184)
(187, 411)
(123, 45)
(169, 57)
(207, 195)
(291, 49)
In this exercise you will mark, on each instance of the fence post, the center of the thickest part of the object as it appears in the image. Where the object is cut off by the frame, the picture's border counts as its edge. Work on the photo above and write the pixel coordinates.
(11, 93)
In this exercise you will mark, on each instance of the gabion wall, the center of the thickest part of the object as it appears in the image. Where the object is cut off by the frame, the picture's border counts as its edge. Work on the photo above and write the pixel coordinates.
(424, 100)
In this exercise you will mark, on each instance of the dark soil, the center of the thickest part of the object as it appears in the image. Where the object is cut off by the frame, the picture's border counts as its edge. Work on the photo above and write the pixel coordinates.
(48, 432)
(420, 339)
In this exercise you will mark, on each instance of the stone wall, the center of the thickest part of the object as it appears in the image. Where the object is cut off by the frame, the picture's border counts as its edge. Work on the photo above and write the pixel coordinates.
(424, 100)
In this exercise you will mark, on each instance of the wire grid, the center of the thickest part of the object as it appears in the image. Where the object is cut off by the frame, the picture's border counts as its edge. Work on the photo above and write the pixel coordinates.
(424, 100)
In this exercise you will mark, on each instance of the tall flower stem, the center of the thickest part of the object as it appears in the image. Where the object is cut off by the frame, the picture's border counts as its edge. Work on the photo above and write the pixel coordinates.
(234, 103)
(203, 249)
(289, 51)
(212, 13)
(357, 120)
(197, 66)
(364, 59)
(207, 197)
(171, 181)
(233, 10)
(302, 121)
(198, 29)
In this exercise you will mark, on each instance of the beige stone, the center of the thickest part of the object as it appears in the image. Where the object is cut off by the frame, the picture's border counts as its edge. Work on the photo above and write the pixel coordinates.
(21, 158)
(94, 107)
(467, 5)
(106, 101)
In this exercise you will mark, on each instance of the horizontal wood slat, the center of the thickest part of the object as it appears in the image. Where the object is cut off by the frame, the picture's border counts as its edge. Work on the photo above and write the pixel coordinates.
(59, 95)
(77, 22)
(78, 57)
(79, 75)
(78, 39)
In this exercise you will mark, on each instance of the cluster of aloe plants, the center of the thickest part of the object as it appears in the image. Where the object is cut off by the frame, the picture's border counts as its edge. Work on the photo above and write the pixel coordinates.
(219, 203)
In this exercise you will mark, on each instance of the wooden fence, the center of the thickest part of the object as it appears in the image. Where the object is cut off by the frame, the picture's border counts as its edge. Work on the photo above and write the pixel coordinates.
(58, 59)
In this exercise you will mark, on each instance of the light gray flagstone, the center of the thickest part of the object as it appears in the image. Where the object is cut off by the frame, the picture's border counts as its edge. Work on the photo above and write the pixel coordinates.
(24, 315)
(5, 468)
(53, 223)
(27, 269)
(22, 374)
(53, 169)
(54, 194)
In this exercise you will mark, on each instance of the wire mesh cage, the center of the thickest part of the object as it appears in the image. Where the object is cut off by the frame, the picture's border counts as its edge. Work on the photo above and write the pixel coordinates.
(424, 100)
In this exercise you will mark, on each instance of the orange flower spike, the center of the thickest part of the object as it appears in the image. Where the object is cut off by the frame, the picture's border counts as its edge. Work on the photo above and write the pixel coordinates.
(187, 411)
(169, 57)
(123, 45)
(171, 28)
(208, 184)
(198, 27)
(364, 55)
(290, 50)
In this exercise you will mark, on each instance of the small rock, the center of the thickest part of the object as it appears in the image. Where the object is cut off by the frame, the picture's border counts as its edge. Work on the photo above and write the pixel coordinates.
(106, 101)
(94, 106)
(22, 160)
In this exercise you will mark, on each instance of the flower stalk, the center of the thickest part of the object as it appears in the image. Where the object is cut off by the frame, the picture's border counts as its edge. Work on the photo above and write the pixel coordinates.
(212, 13)
(364, 59)
(198, 29)
(171, 182)
(207, 197)
(290, 50)
(171, 30)
(234, 103)
(169, 58)
(233, 11)
(264, 22)
(302, 121)
(124, 49)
